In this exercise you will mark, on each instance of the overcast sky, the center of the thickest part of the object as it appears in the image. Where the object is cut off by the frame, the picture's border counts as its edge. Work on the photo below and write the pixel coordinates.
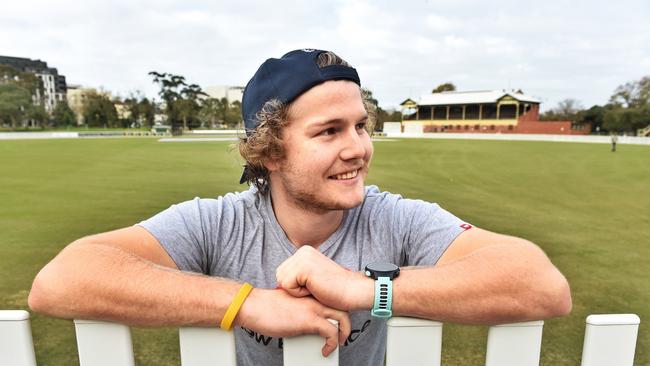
(551, 49)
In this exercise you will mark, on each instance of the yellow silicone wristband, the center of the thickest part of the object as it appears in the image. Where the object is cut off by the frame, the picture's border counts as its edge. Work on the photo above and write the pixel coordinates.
(235, 305)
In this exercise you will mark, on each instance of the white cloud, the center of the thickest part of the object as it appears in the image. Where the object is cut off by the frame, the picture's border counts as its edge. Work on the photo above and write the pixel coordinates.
(453, 41)
(441, 24)
(400, 49)
(422, 45)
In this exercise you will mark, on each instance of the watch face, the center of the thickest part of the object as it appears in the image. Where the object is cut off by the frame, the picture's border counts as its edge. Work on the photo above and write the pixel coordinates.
(382, 267)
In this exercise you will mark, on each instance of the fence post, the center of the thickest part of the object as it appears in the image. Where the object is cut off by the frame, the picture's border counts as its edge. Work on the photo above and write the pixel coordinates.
(610, 340)
(103, 344)
(412, 342)
(306, 350)
(207, 346)
(516, 344)
(16, 346)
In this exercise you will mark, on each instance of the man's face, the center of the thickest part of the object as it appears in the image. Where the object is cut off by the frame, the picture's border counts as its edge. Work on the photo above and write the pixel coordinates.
(328, 150)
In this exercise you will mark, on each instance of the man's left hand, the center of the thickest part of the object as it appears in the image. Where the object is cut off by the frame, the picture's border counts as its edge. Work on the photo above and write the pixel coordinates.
(309, 272)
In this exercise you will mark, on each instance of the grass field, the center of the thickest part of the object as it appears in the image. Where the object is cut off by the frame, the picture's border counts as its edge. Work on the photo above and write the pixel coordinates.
(589, 209)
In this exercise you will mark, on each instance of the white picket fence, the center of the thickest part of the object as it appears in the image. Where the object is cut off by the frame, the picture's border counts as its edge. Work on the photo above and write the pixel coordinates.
(609, 340)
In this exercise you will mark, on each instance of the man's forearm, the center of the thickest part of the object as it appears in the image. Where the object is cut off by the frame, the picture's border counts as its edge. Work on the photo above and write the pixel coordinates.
(98, 281)
(491, 285)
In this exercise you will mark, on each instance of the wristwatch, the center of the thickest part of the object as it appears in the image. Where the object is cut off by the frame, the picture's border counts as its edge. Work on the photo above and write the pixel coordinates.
(383, 274)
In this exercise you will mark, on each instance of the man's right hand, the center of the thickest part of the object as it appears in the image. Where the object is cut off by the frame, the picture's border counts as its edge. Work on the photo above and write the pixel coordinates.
(275, 313)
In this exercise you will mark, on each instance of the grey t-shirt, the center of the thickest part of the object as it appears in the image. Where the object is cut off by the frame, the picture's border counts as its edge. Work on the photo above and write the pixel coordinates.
(237, 236)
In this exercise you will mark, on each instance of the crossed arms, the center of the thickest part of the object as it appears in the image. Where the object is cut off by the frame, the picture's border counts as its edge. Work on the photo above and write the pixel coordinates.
(126, 276)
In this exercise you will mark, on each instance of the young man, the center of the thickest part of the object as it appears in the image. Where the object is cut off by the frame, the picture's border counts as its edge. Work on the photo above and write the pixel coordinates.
(313, 241)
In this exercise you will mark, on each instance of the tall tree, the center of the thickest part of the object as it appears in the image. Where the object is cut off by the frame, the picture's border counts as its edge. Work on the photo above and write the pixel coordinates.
(222, 105)
(182, 100)
(133, 106)
(38, 115)
(643, 96)
(211, 113)
(99, 111)
(15, 103)
(147, 111)
(190, 104)
(566, 110)
(593, 116)
(626, 119)
(633, 94)
(444, 87)
(62, 115)
(233, 115)
(169, 92)
(629, 107)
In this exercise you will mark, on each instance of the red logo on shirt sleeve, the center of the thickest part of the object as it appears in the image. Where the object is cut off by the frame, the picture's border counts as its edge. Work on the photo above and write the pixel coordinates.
(466, 226)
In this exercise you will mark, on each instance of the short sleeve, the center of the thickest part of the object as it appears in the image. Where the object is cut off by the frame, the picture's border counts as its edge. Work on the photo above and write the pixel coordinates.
(419, 232)
(431, 230)
(187, 231)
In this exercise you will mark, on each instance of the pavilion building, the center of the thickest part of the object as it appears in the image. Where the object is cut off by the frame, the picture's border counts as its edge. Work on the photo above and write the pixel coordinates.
(492, 111)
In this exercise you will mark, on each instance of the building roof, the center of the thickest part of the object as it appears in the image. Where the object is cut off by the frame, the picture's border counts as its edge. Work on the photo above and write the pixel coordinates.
(473, 97)
(35, 67)
(408, 101)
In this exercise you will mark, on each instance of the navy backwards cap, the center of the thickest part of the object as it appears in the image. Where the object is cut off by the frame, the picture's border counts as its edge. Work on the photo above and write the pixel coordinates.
(287, 78)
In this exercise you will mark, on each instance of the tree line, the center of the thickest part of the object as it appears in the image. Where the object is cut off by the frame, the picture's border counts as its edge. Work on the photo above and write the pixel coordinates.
(183, 105)
(100, 110)
(627, 110)
(186, 106)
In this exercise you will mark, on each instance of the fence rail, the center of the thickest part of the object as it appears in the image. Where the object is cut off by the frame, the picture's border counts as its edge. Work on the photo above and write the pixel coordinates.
(609, 340)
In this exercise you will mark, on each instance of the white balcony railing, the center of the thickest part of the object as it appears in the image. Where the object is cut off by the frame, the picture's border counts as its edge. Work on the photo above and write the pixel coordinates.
(609, 340)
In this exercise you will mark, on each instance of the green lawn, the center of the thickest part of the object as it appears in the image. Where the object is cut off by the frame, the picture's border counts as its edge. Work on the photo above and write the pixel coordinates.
(589, 209)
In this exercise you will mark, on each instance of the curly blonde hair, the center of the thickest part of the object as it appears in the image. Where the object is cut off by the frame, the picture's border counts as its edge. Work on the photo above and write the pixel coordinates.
(266, 142)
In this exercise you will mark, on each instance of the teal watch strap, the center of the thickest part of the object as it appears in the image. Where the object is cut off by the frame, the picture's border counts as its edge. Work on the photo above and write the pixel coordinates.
(383, 305)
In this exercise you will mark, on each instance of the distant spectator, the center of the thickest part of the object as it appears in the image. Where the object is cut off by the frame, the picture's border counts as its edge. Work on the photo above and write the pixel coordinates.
(614, 141)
